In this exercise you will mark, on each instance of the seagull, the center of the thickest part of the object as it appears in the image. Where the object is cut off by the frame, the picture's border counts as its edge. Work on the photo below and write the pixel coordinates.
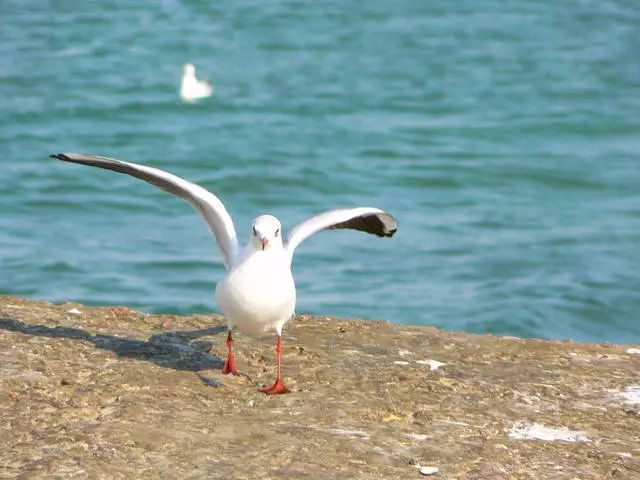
(191, 88)
(258, 293)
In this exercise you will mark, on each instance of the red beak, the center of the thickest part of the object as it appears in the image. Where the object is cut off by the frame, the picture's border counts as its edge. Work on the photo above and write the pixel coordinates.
(265, 242)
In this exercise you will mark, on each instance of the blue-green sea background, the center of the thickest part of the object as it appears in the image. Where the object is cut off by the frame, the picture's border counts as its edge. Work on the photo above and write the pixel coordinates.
(504, 136)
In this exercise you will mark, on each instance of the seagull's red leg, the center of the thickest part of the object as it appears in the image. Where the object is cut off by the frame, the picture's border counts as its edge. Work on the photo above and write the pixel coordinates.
(277, 387)
(230, 366)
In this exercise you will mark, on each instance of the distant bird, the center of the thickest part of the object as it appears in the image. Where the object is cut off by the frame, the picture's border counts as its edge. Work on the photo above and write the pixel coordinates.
(258, 292)
(192, 89)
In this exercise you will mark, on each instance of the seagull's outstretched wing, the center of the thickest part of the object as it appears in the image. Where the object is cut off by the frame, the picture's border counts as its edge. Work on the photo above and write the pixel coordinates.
(366, 219)
(205, 202)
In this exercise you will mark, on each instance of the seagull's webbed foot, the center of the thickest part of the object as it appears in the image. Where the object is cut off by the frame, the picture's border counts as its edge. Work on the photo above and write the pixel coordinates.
(278, 387)
(275, 389)
(230, 365)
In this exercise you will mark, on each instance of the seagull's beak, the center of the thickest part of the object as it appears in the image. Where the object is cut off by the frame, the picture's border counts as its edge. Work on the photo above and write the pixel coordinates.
(265, 242)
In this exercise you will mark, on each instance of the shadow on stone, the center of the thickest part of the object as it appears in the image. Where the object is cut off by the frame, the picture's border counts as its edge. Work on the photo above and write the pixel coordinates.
(175, 349)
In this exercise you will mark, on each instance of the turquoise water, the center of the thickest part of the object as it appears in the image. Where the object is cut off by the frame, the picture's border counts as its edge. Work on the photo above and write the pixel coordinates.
(505, 138)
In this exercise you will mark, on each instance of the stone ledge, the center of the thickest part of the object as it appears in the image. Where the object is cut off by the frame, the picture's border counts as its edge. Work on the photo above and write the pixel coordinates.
(115, 393)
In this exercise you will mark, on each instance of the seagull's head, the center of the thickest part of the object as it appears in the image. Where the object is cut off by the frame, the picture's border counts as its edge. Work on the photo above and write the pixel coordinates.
(189, 70)
(266, 233)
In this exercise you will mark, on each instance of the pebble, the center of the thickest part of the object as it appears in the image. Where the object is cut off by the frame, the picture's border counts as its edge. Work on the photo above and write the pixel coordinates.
(429, 470)
(74, 311)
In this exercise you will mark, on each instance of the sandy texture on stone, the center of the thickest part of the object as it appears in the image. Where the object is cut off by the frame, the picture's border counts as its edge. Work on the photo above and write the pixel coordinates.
(115, 393)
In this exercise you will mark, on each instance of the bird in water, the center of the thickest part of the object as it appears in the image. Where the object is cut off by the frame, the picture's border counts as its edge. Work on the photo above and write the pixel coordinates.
(192, 89)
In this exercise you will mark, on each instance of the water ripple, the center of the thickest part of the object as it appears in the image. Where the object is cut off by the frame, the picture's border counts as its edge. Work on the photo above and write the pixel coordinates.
(504, 138)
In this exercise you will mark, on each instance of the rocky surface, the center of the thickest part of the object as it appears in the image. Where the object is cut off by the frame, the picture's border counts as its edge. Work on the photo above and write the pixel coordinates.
(115, 393)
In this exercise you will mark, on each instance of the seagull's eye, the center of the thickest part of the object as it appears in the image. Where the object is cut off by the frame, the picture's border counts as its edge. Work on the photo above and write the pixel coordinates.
(277, 232)
(254, 231)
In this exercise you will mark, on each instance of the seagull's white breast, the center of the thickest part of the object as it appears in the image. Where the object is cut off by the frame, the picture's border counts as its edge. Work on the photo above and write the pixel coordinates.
(259, 293)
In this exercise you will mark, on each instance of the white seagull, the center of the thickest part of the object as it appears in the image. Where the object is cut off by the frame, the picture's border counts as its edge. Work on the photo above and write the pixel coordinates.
(258, 292)
(191, 89)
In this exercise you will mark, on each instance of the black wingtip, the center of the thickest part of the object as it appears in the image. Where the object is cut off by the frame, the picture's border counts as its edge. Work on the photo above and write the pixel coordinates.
(59, 156)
